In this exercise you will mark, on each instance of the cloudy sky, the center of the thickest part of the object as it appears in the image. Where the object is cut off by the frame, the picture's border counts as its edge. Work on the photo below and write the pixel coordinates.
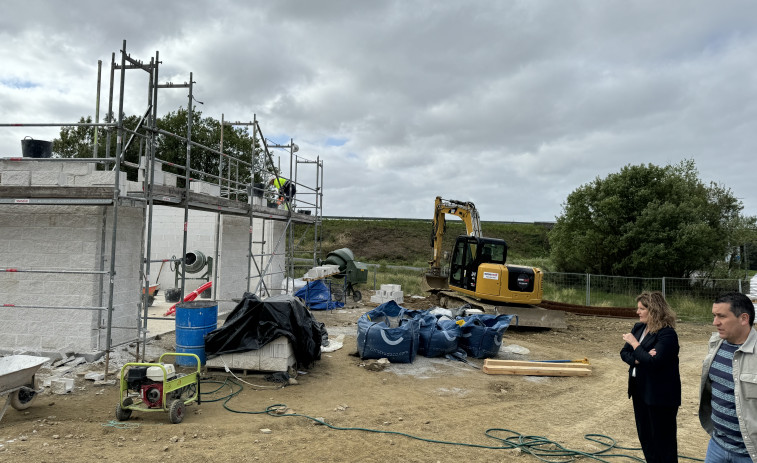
(509, 104)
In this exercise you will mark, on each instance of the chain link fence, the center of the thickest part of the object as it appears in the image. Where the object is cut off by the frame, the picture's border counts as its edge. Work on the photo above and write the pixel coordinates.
(691, 298)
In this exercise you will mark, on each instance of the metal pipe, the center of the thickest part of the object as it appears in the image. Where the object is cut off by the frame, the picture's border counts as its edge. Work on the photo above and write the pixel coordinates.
(97, 103)
(186, 187)
(116, 193)
(109, 117)
(218, 215)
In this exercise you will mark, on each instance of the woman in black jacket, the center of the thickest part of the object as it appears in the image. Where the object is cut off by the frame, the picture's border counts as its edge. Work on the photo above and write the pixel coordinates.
(654, 382)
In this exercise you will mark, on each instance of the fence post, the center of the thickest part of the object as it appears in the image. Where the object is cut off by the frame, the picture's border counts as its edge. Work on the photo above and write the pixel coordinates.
(740, 286)
(588, 289)
(663, 287)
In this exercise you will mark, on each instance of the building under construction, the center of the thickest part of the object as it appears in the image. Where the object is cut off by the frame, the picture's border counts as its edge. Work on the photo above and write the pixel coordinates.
(84, 241)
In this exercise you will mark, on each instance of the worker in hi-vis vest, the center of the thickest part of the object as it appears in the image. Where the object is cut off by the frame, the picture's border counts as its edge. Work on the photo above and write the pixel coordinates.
(286, 190)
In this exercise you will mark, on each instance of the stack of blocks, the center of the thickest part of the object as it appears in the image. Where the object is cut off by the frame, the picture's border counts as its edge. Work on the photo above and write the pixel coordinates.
(52, 173)
(321, 271)
(388, 293)
(277, 355)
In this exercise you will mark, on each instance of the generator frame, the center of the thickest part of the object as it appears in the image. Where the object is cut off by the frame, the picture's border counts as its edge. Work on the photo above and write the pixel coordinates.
(129, 402)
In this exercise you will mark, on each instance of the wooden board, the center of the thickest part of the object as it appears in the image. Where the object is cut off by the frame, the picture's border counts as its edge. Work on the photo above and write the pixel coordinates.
(526, 368)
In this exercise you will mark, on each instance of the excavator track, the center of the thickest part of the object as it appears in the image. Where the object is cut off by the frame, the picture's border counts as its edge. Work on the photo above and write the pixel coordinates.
(528, 315)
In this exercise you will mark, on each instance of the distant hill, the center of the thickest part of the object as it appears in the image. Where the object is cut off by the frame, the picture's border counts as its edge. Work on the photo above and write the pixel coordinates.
(408, 242)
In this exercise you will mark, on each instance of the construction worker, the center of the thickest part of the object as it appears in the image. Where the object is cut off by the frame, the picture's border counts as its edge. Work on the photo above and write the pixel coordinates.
(286, 189)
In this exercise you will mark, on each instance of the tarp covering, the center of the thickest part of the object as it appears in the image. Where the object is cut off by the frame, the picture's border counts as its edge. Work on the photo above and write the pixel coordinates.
(317, 296)
(254, 323)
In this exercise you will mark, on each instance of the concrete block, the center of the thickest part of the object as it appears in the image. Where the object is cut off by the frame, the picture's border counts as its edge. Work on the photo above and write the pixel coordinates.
(205, 188)
(61, 385)
(15, 178)
(78, 168)
(145, 174)
(277, 355)
(48, 178)
(169, 179)
(391, 287)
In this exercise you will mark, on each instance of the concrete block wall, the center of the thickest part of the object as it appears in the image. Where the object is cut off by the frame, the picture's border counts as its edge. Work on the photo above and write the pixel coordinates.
(234, 251)
(127, 288)
(64, 238)
(265, 237)
(60, 173)
(168, 223)
(167, 241)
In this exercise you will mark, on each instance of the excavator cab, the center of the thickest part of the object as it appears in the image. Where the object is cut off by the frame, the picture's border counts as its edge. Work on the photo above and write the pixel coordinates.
(468, 254)
(478, 268)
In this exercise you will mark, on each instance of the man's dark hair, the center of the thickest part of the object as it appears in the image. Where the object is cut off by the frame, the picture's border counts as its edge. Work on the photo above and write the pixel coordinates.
(739, 304)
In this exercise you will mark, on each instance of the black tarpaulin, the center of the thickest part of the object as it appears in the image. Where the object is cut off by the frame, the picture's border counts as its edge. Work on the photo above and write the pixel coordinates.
(254, 323)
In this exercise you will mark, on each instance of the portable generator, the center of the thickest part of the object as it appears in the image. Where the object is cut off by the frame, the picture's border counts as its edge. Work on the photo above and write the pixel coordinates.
(157, 387)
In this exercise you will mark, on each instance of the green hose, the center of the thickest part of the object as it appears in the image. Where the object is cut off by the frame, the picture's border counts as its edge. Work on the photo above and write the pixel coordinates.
(538, 446)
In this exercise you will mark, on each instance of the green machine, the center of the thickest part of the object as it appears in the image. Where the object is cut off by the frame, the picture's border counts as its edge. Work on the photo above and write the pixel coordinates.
(351, 271)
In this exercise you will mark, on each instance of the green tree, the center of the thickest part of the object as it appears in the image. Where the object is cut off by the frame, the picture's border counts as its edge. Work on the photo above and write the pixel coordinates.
(648, 221)
(237, 143)
(78, 142)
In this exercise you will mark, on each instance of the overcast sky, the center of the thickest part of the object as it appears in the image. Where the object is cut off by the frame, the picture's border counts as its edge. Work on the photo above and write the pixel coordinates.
(509, 104)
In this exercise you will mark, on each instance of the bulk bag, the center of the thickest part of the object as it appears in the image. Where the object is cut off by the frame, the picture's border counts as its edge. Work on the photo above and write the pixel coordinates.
(482, 334)
(438, 334)
(388, 332)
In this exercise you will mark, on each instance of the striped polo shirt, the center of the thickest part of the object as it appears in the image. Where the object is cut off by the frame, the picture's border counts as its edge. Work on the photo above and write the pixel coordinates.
(724, 420)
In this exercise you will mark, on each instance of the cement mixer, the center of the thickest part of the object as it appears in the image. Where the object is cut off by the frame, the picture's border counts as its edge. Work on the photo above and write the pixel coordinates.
(350, 270)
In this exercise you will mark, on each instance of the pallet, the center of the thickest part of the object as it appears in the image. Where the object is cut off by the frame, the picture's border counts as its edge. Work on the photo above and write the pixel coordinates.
(240, 371)
(527, 368)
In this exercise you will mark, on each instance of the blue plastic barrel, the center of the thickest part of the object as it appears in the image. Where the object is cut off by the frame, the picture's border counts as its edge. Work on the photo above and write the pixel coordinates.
(194, 319)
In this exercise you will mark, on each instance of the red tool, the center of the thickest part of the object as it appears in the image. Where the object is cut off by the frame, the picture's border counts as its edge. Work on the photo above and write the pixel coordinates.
(189, 297)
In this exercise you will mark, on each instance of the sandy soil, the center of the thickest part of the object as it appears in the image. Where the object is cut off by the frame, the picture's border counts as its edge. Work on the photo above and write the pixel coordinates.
(431, 399)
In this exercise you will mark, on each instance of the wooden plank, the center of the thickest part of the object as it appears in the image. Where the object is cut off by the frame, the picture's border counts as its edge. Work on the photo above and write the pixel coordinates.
(531, 363)
(536, 371)
(525, 368)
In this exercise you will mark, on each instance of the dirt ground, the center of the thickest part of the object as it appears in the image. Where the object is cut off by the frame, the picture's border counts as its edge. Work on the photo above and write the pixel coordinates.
(432, 400)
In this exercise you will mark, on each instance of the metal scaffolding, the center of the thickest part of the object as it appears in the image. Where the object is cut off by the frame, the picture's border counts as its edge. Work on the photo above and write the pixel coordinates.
(235, 179)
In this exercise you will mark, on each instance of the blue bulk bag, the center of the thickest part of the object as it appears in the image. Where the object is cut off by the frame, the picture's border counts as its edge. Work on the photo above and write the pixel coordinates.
(438, 334)
(482, 334)
(388, 332)
(317, 296)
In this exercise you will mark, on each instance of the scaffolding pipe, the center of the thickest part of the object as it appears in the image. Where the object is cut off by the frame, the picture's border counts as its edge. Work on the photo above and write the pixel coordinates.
(116, 193)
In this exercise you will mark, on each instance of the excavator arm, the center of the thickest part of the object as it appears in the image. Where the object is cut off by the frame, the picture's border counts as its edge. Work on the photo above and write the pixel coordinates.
(469, 215)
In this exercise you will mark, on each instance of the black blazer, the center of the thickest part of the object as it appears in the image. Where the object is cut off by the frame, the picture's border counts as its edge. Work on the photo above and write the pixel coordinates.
(657, 381)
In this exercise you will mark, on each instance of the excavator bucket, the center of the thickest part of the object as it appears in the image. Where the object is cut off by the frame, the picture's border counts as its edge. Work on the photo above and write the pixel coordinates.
(432, 283)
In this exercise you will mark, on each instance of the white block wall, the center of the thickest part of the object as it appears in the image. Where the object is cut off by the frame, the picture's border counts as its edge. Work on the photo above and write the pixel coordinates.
(167, 235)
(232, 269)
(65, 238)
(79, 238)
(167, 241)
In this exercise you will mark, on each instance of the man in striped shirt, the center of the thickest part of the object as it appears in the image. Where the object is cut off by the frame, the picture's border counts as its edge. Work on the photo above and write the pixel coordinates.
(728, 390)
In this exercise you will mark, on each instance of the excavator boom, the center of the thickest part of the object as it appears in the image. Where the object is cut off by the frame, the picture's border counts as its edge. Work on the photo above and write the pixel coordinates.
(469, 215)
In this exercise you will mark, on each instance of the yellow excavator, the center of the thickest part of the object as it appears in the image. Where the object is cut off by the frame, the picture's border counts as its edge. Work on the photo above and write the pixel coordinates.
(477, 272)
